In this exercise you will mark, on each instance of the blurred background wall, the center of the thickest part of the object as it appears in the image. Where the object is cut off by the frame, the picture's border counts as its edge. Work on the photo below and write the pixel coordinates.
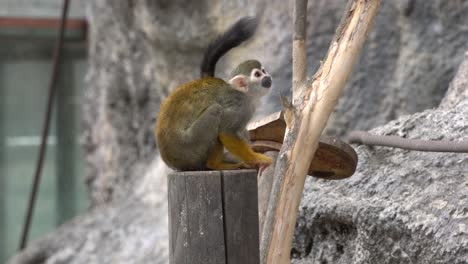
(27, 34)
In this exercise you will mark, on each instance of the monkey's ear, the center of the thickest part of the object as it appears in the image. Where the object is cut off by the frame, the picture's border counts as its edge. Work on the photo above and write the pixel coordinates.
(239, 82)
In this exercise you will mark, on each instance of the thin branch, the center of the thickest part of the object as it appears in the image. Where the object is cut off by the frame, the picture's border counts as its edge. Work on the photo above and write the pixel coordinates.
(299, 48)
(311, 113)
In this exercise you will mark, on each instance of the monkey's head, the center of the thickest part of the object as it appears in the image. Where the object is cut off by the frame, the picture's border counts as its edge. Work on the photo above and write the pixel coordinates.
(251, 78)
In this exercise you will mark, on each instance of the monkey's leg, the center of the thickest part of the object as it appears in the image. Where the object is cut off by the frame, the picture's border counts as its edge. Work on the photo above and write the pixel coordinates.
(203, 129)
(215, 159)
(242, 150)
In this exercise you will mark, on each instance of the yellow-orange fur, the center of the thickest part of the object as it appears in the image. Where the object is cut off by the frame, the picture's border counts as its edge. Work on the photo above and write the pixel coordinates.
(184, 108)
(239, 148)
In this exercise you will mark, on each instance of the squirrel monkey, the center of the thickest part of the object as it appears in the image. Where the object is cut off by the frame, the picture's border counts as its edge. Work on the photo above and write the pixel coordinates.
(202, 117)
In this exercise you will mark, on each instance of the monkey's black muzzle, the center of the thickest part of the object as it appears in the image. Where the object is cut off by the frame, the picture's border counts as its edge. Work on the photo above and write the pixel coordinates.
(266, 82)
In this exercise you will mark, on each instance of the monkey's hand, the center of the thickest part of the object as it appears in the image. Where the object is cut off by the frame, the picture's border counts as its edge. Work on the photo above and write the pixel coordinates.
(239, 148)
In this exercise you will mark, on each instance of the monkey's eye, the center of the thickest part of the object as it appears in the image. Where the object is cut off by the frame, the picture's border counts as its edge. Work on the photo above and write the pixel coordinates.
(257, 74)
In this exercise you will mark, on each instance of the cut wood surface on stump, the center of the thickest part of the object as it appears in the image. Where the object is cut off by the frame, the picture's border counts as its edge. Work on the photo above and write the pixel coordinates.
(213, 217)
(307, 116)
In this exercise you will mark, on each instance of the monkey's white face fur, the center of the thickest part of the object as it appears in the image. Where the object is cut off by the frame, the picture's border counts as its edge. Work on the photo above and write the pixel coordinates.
(257, 84)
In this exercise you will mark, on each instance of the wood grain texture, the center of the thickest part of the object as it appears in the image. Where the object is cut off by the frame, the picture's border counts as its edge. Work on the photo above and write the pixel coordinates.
(196, 218)
(241, 216)
(265, 183)
(312, 106)
(213, 217)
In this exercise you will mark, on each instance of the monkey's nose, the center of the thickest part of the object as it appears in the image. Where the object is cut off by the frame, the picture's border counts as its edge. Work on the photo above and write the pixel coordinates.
(266, 81)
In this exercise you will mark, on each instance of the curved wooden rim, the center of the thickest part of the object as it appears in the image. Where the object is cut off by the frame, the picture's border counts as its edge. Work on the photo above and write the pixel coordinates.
(333, 160)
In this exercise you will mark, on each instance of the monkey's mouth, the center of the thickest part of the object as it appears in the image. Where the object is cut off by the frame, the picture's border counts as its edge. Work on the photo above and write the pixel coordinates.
(266, 82)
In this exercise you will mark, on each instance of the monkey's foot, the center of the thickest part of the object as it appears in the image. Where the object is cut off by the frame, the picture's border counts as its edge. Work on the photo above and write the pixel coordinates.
(260, 161)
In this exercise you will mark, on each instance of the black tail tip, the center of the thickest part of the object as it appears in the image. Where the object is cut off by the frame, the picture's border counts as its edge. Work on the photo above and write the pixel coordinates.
(246, 26)
(239, 32)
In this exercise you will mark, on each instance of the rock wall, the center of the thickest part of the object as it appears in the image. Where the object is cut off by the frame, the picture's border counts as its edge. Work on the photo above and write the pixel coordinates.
(400, 207)
(140, 50)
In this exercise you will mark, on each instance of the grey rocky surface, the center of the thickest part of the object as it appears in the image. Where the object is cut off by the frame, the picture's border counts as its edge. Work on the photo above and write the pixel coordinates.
(457, 91)
(131, 231)
(400, 206)
(398, 201)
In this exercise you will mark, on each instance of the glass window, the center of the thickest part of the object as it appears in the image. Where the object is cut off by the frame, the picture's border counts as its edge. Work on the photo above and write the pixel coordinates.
(25, 68)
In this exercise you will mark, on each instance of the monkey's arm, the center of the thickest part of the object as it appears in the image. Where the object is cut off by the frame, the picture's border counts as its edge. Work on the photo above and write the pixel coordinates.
(216, 161)
(239, 148)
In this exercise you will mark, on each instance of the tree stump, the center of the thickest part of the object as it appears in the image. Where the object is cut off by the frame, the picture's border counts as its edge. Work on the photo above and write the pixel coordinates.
(213, 217)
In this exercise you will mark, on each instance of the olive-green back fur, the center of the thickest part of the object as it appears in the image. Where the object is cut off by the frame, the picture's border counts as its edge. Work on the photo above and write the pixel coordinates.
(246, 67)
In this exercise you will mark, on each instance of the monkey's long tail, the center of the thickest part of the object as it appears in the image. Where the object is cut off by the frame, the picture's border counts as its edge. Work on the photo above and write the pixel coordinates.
(241, 31)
